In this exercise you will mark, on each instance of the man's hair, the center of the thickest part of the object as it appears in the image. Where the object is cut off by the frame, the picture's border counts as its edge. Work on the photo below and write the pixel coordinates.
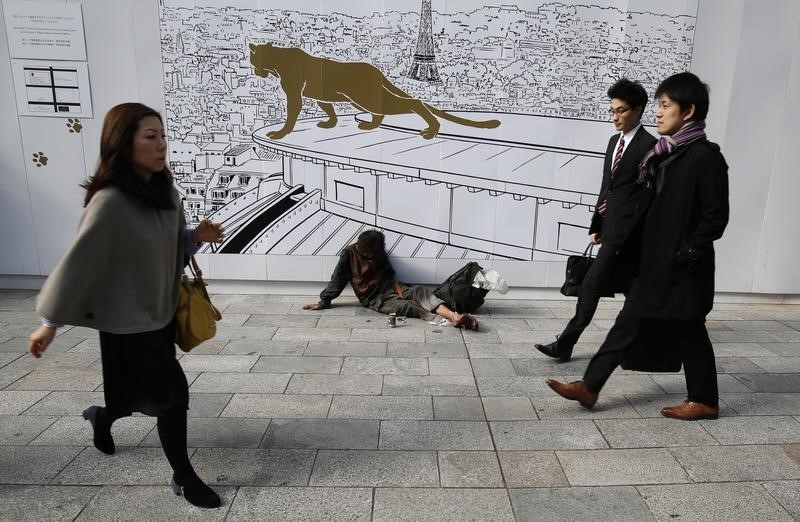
(686, 90)
(631, 92)
(372, 241)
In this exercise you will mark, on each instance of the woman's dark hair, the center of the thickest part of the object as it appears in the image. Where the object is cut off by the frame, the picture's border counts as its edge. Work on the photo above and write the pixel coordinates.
(631, 92)
(686, 90)
(372, 241)
(116, 165)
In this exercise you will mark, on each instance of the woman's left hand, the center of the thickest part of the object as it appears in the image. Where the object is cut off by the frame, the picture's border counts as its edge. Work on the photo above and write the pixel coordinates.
(208, 232)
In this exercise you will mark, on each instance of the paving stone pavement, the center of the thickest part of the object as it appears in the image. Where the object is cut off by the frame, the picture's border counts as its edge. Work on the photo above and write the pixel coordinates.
(331, 415)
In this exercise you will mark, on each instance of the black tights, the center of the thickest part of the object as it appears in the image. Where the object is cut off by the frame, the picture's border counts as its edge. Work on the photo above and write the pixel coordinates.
(172, 432)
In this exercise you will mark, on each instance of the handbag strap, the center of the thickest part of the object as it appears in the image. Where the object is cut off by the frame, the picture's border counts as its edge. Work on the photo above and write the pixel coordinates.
(586, 253)
(194, 268)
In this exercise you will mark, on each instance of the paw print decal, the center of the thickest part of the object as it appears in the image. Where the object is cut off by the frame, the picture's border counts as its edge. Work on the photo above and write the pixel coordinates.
(74, 125)
(39, 159)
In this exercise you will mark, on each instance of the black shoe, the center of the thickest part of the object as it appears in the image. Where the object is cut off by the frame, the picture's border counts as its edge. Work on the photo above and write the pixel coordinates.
(551, 350)
(102, 434)
(196, 493)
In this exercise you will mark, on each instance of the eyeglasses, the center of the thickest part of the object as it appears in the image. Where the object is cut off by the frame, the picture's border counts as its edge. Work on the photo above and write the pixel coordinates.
(618, 111)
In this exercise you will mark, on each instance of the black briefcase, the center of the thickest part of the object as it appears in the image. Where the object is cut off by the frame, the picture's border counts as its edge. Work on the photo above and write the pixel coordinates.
(577, 267)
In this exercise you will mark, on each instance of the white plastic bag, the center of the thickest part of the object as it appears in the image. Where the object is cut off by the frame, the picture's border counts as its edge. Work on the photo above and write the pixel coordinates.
(490, 280)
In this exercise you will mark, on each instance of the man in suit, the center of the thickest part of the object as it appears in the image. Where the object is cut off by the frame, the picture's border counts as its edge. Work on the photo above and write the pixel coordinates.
(674, 290)
(620, 206)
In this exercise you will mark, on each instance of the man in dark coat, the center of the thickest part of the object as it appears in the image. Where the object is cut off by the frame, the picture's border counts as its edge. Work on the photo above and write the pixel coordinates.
(365, 265)
(619, 208)
(675, 287)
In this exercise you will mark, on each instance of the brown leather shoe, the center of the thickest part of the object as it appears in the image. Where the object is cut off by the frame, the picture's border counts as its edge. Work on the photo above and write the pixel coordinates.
(690, 411)
(574, 391)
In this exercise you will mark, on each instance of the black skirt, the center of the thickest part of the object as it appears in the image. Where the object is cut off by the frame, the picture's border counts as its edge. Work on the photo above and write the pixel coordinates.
(141, 373)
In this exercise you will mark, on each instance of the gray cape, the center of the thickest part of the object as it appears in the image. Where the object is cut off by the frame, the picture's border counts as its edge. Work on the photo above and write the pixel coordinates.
(122, 273)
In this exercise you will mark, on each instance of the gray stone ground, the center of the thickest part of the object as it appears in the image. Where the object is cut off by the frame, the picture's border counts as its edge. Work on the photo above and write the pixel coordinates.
(332, 415)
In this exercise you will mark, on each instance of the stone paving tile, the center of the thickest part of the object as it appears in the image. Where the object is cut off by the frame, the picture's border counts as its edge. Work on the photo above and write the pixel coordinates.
(766, 326)
(385, 366)
(354, 321)
(76, 431)
(444, 334)
(322, 434)
(295, 364)
(240, 383)
(737, 365)
(212, 347)
(333, 504)
(441, 504)
(458, 408)
(285, 321)
(220, 364)
(513, 386)
(501, 351)
(531, 469)
(10, 376)
(779, 383)
(469, 469)
(677, 383)
(258, 405)
(525, 337)
(650, 405)
(241, 332)
(654, 433)
(784, 349)
(508, 408)
(546, 435)
(448, 350)
(450, 367)
(543, 365)
(763, 403)
(7, 357)
(622, 467)
(746, 501)
(65, 403)
(625, 384)
(57, 360)
(135, 503)
(787, 493)
(622, 503)
(789, 336)
(493, 368)
(737, 463)
(395, 407)
(754, 430)
(207, 404)
(441, 385)
(34, 465)
(740, 350)
(401, 334)
(335, 384)
(554, 408)
(135, 466)
(219, 433)
(33, 503)
(59, 379)
(16, 402)
(346, 349)
(435, 435)
(263, 347)
(233, 319)
(777, 364)
(17, 430)
(256, 308)
(254, 467)
(744, 336)
(381, 469)
(480, 337)
(312, 334)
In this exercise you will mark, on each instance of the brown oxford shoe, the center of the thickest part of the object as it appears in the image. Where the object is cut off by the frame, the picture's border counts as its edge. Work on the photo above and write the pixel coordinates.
(690, 411)
(574, 391)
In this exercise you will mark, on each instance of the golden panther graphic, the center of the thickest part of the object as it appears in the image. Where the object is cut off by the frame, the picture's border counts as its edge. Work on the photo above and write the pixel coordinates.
(328, 81)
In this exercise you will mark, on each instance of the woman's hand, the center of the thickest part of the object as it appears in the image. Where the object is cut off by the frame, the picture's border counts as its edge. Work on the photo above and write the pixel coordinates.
(40, 339)
(208, 232)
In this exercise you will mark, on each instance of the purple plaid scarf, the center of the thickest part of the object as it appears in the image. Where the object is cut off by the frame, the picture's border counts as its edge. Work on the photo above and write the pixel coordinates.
(689, 133)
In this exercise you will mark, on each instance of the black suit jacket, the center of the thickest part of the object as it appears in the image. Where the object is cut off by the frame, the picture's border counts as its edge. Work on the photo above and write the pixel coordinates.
(626, 200)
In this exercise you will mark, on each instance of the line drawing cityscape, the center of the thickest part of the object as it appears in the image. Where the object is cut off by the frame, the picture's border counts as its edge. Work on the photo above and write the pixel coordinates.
(522, 191)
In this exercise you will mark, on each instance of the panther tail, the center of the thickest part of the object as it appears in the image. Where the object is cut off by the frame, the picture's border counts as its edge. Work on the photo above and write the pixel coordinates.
(482, 124)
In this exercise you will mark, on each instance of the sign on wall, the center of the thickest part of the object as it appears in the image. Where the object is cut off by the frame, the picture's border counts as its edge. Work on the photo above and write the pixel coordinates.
(44, 30)
(53, 89)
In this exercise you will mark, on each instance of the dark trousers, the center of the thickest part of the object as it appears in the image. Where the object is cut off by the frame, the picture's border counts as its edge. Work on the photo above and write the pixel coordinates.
(594, 286)
(696, 351)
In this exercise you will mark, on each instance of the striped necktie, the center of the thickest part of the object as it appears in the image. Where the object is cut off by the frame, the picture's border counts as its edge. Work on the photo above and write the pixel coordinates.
(618, 155)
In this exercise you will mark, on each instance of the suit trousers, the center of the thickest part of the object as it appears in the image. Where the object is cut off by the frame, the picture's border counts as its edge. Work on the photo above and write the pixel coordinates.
(594, 285)
(696, 351)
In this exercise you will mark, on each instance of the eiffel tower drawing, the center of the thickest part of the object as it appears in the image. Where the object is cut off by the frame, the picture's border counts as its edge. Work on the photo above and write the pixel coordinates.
(423, 68)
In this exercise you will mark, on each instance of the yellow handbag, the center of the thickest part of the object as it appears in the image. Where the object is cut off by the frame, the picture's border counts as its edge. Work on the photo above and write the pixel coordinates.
(196, 317)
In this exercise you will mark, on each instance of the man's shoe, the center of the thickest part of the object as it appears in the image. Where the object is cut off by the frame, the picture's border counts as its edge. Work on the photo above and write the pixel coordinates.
(574, 391)
(196, 493)
(102, 433)
(551, 350)
(690, 411)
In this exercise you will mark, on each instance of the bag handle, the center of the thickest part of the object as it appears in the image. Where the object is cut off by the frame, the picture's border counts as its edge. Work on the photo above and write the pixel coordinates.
(194, 268)
(586, 253)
